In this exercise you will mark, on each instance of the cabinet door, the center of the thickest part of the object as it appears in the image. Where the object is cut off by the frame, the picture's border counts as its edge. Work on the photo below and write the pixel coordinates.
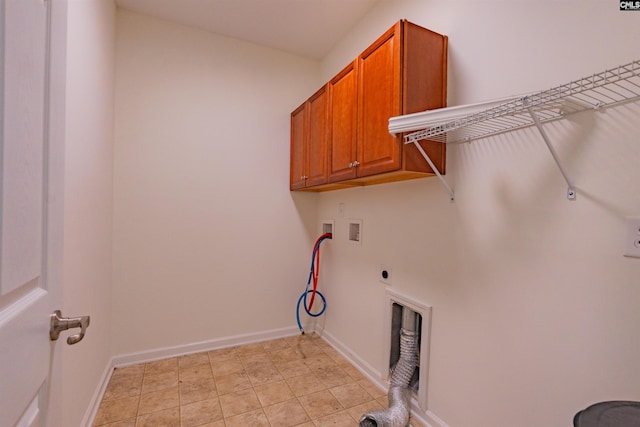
(342, 124)
(379, 98)
(316, 153)
(296, 169)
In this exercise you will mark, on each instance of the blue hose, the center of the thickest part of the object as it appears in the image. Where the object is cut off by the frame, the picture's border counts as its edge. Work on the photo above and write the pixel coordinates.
(303, 297)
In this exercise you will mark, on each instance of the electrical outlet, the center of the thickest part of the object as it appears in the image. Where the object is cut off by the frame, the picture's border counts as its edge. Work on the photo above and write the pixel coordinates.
(632, 237)
(385, 274)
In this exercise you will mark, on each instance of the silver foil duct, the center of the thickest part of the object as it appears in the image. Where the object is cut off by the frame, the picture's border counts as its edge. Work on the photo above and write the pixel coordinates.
(399, 396)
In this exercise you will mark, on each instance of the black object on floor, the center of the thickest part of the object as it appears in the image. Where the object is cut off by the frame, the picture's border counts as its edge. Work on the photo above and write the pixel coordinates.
(609, 414)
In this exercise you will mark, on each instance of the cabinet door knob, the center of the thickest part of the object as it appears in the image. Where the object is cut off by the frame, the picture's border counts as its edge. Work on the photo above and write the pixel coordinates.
(350, 165)
(356, 163)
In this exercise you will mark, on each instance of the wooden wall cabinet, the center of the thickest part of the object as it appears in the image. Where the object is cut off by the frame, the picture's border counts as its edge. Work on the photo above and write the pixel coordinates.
(402, 72)
(309, 142)
(343, 124)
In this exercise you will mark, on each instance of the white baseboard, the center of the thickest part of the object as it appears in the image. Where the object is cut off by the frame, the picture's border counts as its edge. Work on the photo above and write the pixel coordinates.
(165, 352)
(432, 419)
(94, 403)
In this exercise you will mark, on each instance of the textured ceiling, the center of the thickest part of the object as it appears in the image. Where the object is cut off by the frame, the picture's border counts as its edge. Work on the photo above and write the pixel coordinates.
(304, 27)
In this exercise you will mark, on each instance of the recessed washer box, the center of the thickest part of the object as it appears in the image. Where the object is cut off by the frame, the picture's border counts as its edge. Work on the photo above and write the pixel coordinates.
(355, 231)
(328, 226)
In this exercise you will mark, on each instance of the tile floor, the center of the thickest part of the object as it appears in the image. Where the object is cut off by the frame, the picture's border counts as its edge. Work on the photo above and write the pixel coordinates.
(293, 381)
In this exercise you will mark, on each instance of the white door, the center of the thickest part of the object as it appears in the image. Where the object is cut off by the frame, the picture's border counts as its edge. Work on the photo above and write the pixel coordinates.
(31, 88)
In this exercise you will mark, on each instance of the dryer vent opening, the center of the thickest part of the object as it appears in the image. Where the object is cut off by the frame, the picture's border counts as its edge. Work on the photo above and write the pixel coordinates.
(394, 324)
(406, 324)
(412, 322)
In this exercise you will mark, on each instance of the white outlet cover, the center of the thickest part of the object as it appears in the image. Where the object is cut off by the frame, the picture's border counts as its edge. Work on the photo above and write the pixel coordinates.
(632, 237)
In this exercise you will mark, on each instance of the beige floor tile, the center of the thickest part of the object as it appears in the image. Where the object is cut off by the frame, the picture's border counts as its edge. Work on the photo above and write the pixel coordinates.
(232, 383)
(124, 423)
(275, 345)
(332, 376)
(285, 355)
(199, 413)
(336, 357)
(226, 367)
(372, 389)
(255, 418)
(166, 418)
(194, 390)
(414, 423)
(159, 381)
(124, 385)
(255, 359)
(305, 384)
(193, 360)
(383, 400)
(196, 372)
(294, 339)
(307, 349)
(352, 371)
(159, 400)
(287, 413)
(239, 402)
(132, 370)
(293, 381)
(214, 424)
(117, 410)
(271, 393)
(222, 354)
(320, 404)
(339, 419)
(293, 369)
(263, 374)
(319, 361)
(248, 349)
(358, 411)
(161, 366)
(350, 395)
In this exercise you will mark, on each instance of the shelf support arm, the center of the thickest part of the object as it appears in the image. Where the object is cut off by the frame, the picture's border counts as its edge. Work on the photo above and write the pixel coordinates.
(433, 167)
(571, 192)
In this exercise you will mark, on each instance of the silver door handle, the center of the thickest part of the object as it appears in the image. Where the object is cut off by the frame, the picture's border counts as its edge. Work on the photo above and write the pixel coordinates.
(59, 324)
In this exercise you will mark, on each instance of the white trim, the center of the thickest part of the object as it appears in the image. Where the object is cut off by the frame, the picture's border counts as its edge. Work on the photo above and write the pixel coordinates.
(393, 296)
(432, 420)
(98, 394)
(179, 350)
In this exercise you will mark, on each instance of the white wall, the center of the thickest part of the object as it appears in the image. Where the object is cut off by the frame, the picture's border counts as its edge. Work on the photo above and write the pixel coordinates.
(209, 242)
(88, 200)
(534, 307)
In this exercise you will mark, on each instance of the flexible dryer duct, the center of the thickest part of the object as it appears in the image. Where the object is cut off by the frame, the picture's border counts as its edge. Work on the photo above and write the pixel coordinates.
(399, 396)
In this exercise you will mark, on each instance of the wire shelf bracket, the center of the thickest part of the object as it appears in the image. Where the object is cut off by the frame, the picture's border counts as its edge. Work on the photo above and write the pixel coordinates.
(467, 123)
(571, 192)
(452, 195)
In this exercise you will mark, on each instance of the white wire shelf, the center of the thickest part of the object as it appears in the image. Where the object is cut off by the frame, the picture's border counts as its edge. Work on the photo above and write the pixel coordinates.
(468, 123)
(605, 89)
